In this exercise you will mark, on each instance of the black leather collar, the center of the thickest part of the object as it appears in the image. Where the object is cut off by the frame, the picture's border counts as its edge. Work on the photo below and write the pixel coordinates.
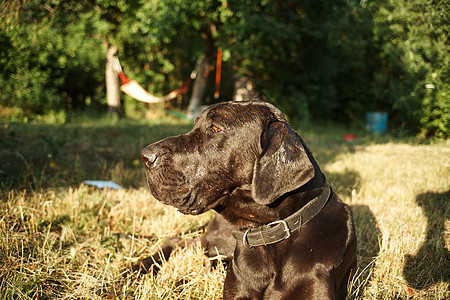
(280, 230)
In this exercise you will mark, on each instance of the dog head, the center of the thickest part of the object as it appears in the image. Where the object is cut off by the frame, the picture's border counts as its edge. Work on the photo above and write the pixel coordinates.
(247, 145)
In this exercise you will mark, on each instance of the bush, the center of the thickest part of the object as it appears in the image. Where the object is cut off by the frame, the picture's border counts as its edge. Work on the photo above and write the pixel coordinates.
(46, 68)
(412, 63)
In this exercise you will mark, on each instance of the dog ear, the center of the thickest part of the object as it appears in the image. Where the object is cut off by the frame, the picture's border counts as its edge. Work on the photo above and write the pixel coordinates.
(283, 165)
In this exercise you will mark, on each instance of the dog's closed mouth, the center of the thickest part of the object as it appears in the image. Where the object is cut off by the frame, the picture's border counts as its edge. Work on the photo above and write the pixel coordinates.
(185, 205)
(192, 205)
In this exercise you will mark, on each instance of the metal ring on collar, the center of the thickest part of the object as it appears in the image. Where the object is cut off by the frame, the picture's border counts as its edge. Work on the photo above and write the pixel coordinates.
(244, 239)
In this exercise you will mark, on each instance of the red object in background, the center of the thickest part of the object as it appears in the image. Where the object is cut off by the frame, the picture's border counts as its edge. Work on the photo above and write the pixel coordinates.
(218, 73)
(349, 137)
(123, 79)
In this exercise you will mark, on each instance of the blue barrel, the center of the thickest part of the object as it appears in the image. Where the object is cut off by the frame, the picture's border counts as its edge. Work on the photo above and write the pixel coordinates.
(376, 122)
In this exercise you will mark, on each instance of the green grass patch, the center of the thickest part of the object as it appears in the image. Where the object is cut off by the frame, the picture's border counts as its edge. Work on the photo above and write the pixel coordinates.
(58, 237)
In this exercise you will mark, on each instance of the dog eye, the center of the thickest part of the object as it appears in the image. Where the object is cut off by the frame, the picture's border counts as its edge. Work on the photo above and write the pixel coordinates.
(215, 129)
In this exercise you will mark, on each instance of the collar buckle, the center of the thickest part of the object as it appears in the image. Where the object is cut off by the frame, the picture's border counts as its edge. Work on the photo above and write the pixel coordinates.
(286, 230)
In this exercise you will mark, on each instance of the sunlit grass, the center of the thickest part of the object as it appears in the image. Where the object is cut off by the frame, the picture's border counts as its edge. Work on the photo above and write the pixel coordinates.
(61, 239)
(406, 188)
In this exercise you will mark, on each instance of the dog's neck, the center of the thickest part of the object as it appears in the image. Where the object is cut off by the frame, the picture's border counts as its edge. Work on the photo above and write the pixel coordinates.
(239, 208)
(280, 230)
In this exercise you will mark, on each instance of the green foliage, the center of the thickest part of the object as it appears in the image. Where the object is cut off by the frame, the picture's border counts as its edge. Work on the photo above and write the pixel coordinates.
(307, 55)
(165, 40)
(336, 61)
(316, 59)
(411, 77)
(49, 65)
(22, 81)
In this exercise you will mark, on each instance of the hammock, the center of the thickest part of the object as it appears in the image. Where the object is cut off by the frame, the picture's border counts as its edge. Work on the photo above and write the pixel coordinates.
(135, 90)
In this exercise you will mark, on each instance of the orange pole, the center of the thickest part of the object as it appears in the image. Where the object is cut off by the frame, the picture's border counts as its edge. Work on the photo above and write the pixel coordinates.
(218, 73)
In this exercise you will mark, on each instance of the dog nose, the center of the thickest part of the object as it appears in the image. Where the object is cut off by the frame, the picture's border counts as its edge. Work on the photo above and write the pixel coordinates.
(149, 157)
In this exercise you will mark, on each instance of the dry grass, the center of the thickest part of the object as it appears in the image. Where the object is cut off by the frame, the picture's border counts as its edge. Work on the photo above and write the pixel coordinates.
(57, 236)
(400, 198)
(62, 245)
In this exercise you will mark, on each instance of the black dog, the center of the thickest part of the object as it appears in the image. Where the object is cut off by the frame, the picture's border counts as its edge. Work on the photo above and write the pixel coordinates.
(295, 237)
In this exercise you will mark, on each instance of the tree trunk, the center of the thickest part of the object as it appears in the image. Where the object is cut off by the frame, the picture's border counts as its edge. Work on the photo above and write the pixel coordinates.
(112, 82)
(199, 88)
(201, 81)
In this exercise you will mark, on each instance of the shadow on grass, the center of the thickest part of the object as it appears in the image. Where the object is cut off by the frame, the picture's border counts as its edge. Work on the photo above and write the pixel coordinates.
(419, 271)
(367, 232)
(37, 156)
(368, 236)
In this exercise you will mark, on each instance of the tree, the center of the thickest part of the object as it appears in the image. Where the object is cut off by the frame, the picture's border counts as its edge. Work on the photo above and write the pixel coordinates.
(112, 80)
(304, 54)
(117, 15)
(411, 65)
(49, 60)
(316, 59)
(184, 33)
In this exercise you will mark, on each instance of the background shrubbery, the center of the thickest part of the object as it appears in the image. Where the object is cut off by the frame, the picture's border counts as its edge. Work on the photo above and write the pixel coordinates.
(316, 59)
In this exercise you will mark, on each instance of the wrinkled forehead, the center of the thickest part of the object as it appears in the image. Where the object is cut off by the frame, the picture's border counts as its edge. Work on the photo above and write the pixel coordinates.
(239, 113)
